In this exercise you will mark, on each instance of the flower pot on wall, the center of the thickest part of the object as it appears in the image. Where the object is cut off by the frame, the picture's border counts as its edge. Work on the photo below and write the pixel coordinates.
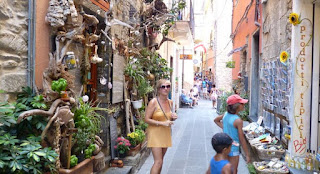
(134, 150)
(85, 167)
(137, 104)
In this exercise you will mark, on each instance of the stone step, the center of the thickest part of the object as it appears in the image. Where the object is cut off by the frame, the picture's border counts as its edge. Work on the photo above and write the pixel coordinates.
(117, 170)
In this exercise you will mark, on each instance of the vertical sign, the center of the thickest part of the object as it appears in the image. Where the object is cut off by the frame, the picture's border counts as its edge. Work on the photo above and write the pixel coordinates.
(301, 54)
(117, 78)
(113, 133)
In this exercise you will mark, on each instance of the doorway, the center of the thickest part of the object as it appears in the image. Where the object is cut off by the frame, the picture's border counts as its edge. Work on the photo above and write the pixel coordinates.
(254, 85)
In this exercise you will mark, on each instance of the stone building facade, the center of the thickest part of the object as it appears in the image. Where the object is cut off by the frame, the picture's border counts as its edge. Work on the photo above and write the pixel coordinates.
(222, 44)
(274, 84)
(13, 47)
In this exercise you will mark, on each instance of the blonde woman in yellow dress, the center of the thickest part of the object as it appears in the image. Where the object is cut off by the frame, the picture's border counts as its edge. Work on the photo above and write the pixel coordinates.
(160, 118)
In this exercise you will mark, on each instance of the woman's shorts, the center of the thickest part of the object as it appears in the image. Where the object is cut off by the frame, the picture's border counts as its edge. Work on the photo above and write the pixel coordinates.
(236, 153)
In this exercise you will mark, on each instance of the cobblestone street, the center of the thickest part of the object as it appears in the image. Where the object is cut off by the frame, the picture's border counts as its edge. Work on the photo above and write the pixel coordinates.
(191, 151)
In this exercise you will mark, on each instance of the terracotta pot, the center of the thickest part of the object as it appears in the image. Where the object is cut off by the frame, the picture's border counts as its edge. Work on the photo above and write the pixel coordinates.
(85, 167)
(134, 150)
(64, 94)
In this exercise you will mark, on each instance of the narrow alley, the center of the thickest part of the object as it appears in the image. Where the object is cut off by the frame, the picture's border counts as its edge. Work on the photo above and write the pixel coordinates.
(191, 150)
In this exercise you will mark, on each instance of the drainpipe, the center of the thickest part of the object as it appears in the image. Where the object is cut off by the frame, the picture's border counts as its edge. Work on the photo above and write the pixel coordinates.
(31, 44)
(257, 14)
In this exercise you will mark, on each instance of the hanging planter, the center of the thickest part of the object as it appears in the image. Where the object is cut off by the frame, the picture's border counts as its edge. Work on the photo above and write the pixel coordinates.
(137, 104)
(230, 64)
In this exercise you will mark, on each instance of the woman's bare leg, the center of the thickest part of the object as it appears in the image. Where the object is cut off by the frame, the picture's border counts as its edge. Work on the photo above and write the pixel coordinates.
(158, 155)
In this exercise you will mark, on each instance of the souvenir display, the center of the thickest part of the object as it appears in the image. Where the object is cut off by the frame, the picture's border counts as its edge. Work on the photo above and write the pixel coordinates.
(274, 166)
(253, 130)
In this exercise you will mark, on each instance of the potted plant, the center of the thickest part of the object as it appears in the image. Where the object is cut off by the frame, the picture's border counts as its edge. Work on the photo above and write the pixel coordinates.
(88, 124)
(122, 146)
(143, 88)
(142, 125)
(135, 147)
(133, 139)
(60, 87)
(141, 135)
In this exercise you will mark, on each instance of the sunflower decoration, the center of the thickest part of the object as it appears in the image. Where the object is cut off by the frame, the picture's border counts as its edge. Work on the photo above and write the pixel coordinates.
(284, 56)
(294, 18)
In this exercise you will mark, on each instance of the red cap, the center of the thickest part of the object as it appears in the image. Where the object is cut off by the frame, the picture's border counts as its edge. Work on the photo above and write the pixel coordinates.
(233, 99)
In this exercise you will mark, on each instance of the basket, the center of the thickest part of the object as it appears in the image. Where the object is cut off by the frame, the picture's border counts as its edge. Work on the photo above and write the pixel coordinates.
(266, 154)
(248, 137)
(268, 171)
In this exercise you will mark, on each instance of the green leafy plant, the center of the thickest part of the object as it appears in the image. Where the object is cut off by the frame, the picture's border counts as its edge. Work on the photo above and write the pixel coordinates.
(154, 63)
(27, 100)
(6, 114)
(223, 108)
(88, 122)
(73, 160)
(25, 156)
(89, 150)
(38, 102)
(251, 169)
(176, 8)
(142, 125)
(244, 114)
(141, 135)
(59, 85)
(20, 149)
(230, 64)
(143, 87)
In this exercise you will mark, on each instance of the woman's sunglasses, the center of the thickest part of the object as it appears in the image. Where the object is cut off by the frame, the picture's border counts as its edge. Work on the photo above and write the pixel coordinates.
(165, 86)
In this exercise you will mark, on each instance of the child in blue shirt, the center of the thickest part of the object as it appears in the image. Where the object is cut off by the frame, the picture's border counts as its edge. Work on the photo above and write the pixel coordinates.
(219, 164)
(232, 125)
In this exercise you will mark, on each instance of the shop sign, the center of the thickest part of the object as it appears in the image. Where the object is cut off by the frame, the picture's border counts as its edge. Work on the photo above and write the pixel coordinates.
(302, 55)
(186, 56)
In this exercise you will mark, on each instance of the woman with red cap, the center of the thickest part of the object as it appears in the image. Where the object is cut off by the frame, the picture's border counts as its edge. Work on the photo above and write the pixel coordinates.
(232, 125)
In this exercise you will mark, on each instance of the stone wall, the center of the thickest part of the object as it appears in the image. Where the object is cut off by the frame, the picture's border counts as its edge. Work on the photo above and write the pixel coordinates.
(223, 45)
(13, 47)
(276, 37)
(276, 29)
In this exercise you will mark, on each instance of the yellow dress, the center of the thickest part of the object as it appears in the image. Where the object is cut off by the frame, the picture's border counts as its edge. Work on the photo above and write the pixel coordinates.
(159, 136)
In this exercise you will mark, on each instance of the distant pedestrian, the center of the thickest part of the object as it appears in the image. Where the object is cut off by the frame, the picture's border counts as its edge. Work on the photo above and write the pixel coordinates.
(192, 96)
(213, 96)
(204, 89)
(195, 91)
(219, 164)
(232, 125)
(160, 118)
(209, 86)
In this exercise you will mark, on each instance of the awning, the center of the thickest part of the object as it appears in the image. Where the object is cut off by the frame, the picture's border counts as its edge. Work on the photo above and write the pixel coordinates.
(237, 49)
